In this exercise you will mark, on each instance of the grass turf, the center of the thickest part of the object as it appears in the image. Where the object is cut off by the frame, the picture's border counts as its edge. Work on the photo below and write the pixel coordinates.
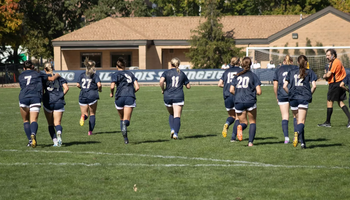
(200, 165)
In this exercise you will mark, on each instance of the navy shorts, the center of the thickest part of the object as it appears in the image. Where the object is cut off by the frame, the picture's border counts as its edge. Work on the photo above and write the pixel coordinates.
(30, 102)
(122, 102)
(171, 102)
(282, 101)
(59, 107)
(298, 103)
(229, 103)
(240, 107)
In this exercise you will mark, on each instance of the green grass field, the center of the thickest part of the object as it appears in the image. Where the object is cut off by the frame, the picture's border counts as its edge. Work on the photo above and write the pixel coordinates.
(201, 165)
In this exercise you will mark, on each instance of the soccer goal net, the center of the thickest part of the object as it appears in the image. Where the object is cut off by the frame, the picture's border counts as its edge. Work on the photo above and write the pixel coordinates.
(316, 56)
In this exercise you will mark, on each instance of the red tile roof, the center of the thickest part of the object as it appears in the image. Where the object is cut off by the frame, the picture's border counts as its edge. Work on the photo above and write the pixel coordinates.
(177, 28)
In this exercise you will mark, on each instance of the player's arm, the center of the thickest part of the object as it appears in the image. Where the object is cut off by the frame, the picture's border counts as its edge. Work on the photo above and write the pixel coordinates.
(313, 89)
(221, 83)
(52, 78)
(161, 84)
(285, 86)
(65, 88)
(275, 87)
(342, 85)
(136, 86)
(232, 89)
(99, 86)
(78, 85)
(188, 86)
(112, 89)
(258, 90)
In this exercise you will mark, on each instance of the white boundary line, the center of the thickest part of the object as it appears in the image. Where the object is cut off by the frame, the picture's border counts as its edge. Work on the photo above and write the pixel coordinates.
(241, 163)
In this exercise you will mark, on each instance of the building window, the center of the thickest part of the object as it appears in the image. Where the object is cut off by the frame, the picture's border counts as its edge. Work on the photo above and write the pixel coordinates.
(97, 57)
(116, 55)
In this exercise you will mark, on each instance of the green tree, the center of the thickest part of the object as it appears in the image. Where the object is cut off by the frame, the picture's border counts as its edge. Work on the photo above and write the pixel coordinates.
(275, 56)
(210, 46)
(309, 52)
(345, 59)
(297, 52)
(342, 5)
(320, 51)
(176, 7)
(286, 51)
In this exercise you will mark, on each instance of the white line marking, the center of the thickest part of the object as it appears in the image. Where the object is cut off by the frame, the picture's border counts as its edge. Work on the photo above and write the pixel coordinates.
(241, 163)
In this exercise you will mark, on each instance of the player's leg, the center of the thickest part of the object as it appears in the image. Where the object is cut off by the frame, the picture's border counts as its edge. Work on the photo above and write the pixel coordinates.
(51, 127)
(84, 109)
(234, 130)
(284, 108)
(92, 119)
(170, 110)
(34, 114)
(252, 125)
(242, 117)
(302, 112)
(230, 119)
(26, 124)
(57, 115)
(296, 114)
(177, 122)
(345, 110)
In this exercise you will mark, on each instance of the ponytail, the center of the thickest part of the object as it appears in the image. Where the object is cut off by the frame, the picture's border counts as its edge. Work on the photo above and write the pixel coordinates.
(48, 67)
(175, 62)
(246, 63)
(90, 67)
(288, 60)
(303, 64)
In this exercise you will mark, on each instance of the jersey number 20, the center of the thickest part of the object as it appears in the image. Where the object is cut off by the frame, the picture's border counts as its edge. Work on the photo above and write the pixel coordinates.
(243, 82)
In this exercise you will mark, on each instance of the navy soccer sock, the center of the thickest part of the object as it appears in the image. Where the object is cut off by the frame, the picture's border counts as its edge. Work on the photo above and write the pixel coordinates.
(177, 124)
(92, 121)
(34, 127)
(171, 122)
(295, 125)
(27, 130)
(301, 133)
(52, 132)
(59, 128)
(234, 131)
(252, 131)
(121, 124)
(127, 122)
(230, 120)
(85, 117)
(285, 127)
(244, 126)
(346, 111)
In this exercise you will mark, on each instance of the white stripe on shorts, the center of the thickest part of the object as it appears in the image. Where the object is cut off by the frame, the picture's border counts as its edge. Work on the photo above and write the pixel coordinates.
(130, 106)
(50, 111)
(175, 104)
(248, 109)
(92, 103)
(283, 103)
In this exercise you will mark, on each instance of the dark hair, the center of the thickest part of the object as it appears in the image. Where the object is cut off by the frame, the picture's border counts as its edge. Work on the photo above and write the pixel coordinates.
(302, 60)
(28, 64)
(333, 52)
(246, 63)
(121, 63)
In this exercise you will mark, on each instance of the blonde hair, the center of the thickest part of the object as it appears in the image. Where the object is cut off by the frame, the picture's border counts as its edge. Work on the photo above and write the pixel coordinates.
(288, 60)
(90, 66)
(235, 61)
(175, 62)
(48, 68)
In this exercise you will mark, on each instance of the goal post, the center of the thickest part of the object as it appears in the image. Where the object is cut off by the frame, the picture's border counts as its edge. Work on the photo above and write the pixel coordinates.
(316, 56)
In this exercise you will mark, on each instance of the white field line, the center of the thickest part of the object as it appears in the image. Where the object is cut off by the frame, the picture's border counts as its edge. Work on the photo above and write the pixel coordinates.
(241, 163)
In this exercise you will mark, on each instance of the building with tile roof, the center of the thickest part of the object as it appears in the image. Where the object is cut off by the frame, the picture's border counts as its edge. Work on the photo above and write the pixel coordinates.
(151, 42)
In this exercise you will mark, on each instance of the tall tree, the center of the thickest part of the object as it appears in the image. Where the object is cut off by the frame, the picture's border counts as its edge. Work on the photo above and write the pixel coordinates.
(342, 5)
(176, 7)
(210, 46)
(309, 52)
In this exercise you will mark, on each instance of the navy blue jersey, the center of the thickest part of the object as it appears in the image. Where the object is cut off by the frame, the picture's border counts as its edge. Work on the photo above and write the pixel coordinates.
(53, 91)
(227, 77)
(89, 89)
(125, 84)
(280, 75)
(174, 84)
(31, 85)
(346, 81)
(300, 88)
(245, 87)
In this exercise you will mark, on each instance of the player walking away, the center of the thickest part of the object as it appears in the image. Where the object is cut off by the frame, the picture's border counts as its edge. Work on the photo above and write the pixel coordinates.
(90, 85)
(335, 75)
(174, 98)
(282, 96)
(297, 85)
(53, 100)
(245, 86)
(229, 98)
(346, 82)
(125, 97)
(31, 83)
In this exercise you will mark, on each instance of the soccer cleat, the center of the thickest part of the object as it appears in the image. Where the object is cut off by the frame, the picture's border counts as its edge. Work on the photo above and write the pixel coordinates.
(172, 134)
(59, 139)
(348, 126)
(175, 136)
(239, 133)
(34, 142)
(232, 140)
(82, 120)
(250, 144)
(29, 144)
(55, 145)
(286, 140)
(224, 131)
(90, 133)
(303, 146)
(327, 124)
(126, 140)
(295, 140)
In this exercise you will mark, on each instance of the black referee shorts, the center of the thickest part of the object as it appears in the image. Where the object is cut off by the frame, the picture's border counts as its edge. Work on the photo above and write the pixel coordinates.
(335, 92)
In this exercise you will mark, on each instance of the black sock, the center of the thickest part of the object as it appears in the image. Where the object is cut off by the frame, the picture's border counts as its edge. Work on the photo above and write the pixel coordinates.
(346, 111)
(329, 114)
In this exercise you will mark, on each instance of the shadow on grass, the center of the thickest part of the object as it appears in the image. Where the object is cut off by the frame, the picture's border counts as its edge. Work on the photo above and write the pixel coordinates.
(264, 143)
(67, 144)
(108, 132)
(316, 140)
(265, 138)
(151, 141)
(323, 145)
(198, 136)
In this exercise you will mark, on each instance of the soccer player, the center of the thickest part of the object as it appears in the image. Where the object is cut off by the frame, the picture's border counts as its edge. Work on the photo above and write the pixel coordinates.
(245, 86)
(90, 85)
(174, 98)
(335, 75)
(30, 96)
(282, 96)
(229, 98)
(125, 98)
(53, 100)
(297, 85)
